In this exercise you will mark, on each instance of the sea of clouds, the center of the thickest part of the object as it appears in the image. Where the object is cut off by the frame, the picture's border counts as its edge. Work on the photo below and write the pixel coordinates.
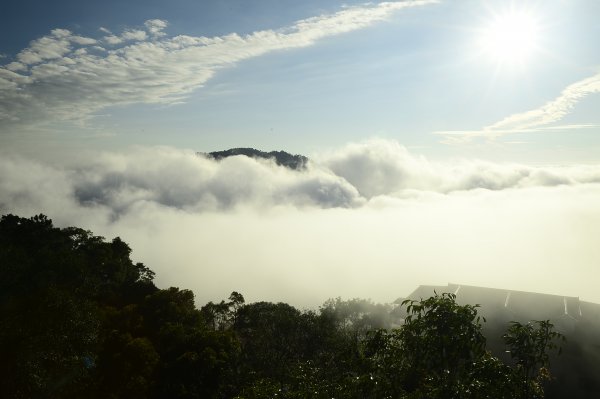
(368, 220)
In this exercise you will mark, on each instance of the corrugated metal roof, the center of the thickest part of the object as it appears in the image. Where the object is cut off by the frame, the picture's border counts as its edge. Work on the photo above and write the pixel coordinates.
(516, 305)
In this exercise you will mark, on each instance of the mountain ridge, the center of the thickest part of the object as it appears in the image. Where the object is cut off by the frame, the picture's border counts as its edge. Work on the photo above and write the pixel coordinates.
(281, 158)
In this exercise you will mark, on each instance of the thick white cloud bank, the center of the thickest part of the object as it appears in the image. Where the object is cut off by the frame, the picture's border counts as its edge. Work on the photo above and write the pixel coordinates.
(368, 220)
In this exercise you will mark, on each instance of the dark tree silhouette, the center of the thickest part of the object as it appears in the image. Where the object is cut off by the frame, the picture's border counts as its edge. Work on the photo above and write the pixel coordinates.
(80, 319)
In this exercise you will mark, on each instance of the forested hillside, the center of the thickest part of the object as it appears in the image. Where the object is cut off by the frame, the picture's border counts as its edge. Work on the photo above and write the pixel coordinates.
(81, 319)
(281, 158)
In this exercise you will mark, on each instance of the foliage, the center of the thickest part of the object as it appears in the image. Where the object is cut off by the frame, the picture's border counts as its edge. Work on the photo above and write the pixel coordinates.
(529, 345)
(221, 316)
(81, 319)
(281, 158)
(439, 352)
(441, 338)
(358, 315)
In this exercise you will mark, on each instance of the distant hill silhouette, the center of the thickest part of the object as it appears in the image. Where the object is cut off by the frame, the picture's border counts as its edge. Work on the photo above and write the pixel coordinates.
(577, 370)
(281, 158)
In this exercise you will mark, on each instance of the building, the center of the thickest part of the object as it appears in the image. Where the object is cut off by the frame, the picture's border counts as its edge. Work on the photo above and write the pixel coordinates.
(501, 306)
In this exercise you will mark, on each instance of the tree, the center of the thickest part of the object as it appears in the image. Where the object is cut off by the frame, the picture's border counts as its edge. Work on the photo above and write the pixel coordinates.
(358, 315)
(223, 315)
(79, 318)
(529, 345)
(49, 323)
(441, 340)
(439, 352)
(272, 337)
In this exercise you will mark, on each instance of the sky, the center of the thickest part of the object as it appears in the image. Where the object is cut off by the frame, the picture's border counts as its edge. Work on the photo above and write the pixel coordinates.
(449, 141)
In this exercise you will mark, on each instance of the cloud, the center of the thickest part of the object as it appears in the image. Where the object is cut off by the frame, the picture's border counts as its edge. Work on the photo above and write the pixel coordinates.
(63, 83)
(49, 47)
(156, 27)
(552, 111)
(16, 66)
(187, 181)
(138, 35)
(83, 41)
(175, 179)
(112, 39)
(277, 234)
(354, 176)
(536, 119)
(381, 167)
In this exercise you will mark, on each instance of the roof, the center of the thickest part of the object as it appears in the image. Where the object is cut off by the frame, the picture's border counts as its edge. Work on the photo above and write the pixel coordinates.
(522, 306)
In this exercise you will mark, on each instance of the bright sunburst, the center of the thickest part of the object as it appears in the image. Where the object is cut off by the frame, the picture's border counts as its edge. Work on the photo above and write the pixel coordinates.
(511, 38)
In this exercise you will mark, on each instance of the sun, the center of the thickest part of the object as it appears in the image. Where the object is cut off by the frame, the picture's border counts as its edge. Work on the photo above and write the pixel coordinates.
(511, 38)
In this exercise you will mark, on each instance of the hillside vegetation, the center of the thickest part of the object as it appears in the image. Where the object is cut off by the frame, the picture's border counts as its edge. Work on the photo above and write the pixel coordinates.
(281, 158)
(81, 319)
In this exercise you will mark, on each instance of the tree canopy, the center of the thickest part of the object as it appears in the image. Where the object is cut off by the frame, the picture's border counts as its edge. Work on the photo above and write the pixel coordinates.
(80, 318)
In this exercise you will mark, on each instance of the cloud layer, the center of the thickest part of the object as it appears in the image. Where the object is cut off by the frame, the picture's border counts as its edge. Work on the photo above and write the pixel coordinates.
(66, 77)
(380, 167)
(370, 219)
(351, 177)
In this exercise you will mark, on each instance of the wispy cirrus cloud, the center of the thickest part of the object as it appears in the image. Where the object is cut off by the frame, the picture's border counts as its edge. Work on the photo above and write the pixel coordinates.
(66, 77)
(537, 119)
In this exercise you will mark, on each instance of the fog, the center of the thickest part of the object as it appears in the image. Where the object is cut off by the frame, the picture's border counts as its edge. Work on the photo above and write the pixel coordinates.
(368, 220)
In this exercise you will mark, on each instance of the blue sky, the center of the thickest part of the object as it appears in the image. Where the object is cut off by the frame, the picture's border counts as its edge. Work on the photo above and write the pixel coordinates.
(406, 75)
(450, 141)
